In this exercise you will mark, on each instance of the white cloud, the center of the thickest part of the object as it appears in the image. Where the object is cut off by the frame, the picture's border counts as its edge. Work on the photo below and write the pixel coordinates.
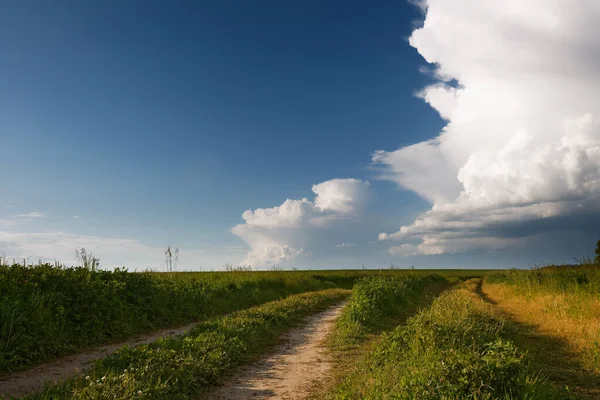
(522, 140)
(75, 217)
(301, 228)
(34, 214)
(345, 244)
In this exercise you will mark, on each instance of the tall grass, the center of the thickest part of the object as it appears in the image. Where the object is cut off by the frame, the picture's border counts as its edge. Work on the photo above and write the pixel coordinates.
(567, 278)
(562, 302)
(374, 301)
(456, 349)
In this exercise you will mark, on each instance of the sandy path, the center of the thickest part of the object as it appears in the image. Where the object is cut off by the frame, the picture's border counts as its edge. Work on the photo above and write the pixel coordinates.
(291, 370)
(22, 383)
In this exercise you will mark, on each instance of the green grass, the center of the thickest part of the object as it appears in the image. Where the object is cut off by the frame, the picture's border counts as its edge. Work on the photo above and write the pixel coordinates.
(557, 310)
(456, 349)
(48, 311)
(374, 302)
(552, 279)
(182, 367)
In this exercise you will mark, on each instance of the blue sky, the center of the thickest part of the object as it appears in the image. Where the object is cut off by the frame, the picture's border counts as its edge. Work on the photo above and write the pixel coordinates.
(160, 123)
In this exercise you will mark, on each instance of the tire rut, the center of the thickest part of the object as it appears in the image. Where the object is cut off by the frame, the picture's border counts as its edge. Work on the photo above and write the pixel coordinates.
(291, 370)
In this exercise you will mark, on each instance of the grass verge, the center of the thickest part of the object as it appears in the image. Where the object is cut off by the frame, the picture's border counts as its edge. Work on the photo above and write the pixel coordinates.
(358, 332)
(374, 304)
(183, 367)
(458, 348)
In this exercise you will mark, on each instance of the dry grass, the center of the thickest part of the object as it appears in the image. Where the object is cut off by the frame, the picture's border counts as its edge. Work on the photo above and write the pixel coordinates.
(561, 331)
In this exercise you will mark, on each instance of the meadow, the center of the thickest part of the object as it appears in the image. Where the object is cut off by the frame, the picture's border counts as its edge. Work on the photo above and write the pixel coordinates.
(402, 334)
(47, 310)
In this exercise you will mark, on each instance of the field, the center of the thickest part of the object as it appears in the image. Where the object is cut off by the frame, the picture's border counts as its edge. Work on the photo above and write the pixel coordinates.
(399, 334)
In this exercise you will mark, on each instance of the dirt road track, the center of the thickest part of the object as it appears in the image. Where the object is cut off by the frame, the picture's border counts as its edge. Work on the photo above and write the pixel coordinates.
(290, 371)
(21, 383)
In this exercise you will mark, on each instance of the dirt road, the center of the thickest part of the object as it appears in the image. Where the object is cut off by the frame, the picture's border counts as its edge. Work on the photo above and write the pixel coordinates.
(290, 371)
(22, 383)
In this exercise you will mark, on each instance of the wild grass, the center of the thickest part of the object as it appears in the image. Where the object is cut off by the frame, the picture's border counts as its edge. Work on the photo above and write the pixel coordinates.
(182, 367)
(566, 347)
(581, 279)
(458, 348)
(562, 303)
(47, 311)
(374, 302)
(377, 304)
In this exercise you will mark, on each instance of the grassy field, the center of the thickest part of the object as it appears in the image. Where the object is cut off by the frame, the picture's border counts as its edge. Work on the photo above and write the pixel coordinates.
(403, 334)
(184, 366)
(48, 311)
(374, 303)
(557, 310)
(514, 335)
(458, 348)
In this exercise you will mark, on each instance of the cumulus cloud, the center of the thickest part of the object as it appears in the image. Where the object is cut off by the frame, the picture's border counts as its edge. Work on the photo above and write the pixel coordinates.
(301, 228)
(518, 86)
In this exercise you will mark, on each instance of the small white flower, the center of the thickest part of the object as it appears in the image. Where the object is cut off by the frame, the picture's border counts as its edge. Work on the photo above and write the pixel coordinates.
(139, 392)
(87, 378)
(125, 370)
(103, 378)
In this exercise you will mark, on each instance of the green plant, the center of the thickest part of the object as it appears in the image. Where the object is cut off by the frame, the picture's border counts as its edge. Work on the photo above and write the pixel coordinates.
(374, 300)
(87, 260)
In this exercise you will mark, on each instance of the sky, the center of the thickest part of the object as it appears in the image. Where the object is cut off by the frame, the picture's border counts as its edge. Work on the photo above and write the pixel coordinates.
(315, 134)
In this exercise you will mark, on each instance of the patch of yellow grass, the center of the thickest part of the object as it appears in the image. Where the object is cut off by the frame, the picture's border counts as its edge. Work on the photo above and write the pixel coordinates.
(573, 318)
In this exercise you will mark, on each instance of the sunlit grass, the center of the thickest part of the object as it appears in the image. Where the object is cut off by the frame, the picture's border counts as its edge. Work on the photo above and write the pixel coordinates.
(459, 348)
